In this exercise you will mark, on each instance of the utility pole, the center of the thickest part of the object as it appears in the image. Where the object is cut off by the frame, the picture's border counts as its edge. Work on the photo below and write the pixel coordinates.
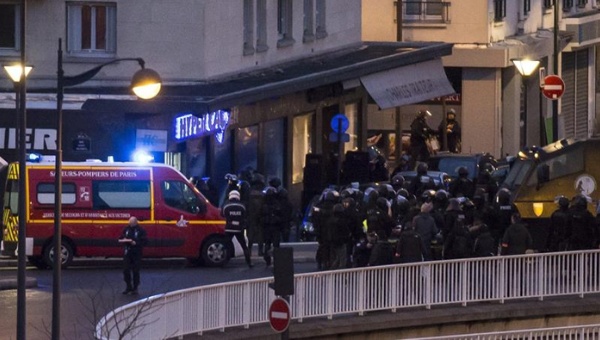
(555, 69)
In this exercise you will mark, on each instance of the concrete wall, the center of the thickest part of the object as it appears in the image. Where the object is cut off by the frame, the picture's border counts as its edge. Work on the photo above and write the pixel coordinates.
(481, 111)
(184, 40)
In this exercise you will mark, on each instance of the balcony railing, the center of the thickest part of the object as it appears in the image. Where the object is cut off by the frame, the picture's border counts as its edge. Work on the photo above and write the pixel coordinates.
(426, 11)
(358, 291)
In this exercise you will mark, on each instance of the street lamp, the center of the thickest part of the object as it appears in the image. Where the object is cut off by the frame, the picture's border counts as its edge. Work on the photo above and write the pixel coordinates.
(146, 84)
(526, 67)
(18, 74)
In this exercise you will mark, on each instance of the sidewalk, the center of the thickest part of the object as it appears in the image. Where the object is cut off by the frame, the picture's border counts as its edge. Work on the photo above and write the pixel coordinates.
(303, 252)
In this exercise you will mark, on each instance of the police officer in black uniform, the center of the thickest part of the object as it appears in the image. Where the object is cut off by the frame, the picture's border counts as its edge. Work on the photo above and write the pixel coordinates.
(134, 238)
(235, 215)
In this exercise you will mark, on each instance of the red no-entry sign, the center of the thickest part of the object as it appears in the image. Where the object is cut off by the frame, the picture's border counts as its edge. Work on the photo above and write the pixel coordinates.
(553, 87)
(279, 315)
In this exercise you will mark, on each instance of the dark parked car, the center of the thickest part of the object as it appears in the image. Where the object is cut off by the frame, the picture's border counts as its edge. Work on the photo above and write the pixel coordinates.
(441, 179)
(451, 162)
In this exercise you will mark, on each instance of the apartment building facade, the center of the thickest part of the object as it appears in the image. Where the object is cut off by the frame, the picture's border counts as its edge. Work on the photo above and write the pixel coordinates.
(486, 35)
(246, 83)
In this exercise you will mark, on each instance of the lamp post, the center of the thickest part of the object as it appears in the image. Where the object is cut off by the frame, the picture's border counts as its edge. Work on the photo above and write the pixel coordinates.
(18, 74)
(526, 67)
(145, 84)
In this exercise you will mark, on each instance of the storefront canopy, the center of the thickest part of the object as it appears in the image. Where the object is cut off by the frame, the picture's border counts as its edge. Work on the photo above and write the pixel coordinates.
(408, 84)
(368, 61)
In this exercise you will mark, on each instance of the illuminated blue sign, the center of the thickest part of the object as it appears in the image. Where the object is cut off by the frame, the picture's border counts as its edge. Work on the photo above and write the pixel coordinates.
(215, 122)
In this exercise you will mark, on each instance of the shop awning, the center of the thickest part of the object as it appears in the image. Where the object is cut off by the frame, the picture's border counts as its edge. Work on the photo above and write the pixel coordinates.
(408, 84)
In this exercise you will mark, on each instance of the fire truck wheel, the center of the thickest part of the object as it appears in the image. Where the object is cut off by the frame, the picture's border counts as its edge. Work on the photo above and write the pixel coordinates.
(66, 255)
(215, 252)
(38, 262)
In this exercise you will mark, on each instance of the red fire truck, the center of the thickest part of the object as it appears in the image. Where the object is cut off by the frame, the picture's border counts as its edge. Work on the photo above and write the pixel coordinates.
(97, 200)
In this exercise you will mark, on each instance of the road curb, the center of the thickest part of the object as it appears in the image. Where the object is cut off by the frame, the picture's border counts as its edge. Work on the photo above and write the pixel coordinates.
(12, 283)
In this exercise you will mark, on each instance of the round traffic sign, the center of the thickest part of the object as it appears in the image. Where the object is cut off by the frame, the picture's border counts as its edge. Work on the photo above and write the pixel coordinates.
(339, 121)
(279, 315)
(554, 87)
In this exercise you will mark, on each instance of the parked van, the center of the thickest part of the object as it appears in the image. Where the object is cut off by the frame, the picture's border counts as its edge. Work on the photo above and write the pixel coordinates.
(567, 167)
(97, 201)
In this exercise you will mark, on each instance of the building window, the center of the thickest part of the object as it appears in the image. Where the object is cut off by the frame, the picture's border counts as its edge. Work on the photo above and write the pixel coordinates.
(526, 7)
(321, 17)
(309, 21)
(548, 4)
(248, 27)
(10, 21)
(301, 145)
(274, 148)
(284, 23)
(91, 28)
(425, 10)
(499, 10)
(567, 5)
(582, 3)
(261, 26)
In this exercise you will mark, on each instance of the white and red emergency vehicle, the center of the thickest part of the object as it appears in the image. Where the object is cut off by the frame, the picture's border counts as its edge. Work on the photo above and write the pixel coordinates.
(97, 200)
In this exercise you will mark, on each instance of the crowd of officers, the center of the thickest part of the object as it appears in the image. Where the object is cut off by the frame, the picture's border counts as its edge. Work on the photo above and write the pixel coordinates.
(404, 223)
(260, 208)
(401, 222)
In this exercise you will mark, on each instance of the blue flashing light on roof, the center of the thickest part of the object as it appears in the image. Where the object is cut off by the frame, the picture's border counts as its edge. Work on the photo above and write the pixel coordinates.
(34, 157)
(142, 156)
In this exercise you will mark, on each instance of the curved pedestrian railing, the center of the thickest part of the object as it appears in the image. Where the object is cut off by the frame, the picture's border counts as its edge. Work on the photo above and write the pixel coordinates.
(569, 332)
(356, 291)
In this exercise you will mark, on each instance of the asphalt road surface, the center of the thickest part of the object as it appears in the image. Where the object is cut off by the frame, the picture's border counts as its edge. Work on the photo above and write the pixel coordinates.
(91, 289)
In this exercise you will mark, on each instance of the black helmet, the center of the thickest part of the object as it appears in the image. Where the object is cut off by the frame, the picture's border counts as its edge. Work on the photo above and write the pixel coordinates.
(463, 172)
(422, 168)
(441, 196)
(454, 204)
(404, 193)
(338, 208)
(479, 197)
(382, 203)
(427, 195)
(503, 196)
(580, 201)
(423, 113)
(370, 195)
(332, 196)
(270, 191)
(348, 192)
(397, 181)
(402, 204)
(562, 201)
(275, 182)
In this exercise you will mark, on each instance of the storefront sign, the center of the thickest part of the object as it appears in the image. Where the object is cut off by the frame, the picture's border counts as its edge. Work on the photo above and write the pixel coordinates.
(189, 125)
(408, 84)
(151, 140)
(35, 139)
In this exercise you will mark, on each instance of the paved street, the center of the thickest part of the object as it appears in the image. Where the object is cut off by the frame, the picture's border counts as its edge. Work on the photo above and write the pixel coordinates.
(91, 288)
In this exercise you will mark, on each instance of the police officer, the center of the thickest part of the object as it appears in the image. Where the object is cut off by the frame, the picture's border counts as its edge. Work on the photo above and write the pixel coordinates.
(560, 224)
(235, 215)
(134, 238)
(420, 132)
(583, 228)
(271, 218)
(462, 186)
(422, 181)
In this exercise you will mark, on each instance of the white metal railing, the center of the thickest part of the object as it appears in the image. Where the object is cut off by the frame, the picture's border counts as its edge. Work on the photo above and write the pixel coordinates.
(356, 291)
(569, 332)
